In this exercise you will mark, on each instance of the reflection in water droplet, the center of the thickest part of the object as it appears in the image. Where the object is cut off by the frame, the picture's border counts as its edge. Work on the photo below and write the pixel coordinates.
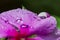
(42, 17)
(19, 21)
(24, 26)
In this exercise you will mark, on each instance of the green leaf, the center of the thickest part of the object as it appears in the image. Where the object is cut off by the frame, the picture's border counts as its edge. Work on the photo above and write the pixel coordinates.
(2, 38)
(58, 21)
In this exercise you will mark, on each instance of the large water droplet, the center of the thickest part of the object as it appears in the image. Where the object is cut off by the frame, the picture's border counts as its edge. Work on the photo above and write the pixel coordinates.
(43, 15)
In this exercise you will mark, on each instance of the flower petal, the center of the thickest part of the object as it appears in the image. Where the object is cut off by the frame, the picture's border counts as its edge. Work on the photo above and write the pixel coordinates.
(45, 26)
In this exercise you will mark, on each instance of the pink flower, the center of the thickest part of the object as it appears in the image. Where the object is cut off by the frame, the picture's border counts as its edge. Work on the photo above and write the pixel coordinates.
(17, 21)
(22, 23)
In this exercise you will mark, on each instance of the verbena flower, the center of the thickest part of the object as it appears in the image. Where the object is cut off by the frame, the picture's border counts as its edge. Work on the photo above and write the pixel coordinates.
(22, 23)
(18, 22)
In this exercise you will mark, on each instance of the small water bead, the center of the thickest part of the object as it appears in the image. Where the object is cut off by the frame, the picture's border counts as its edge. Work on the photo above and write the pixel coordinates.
(19, 21)
(24, 30)
(24, 26)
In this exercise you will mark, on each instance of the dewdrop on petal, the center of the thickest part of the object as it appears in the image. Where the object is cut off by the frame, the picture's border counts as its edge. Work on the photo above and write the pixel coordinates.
(45, 26)
(30, 23)
(43, 15)
(16, 18)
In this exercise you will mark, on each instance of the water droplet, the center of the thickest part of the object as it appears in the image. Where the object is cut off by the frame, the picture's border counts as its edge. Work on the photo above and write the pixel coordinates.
(19, 21)
(24, 26)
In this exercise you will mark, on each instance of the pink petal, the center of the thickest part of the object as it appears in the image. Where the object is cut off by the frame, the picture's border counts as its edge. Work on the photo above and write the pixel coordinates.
(17, 17)
(45, 26)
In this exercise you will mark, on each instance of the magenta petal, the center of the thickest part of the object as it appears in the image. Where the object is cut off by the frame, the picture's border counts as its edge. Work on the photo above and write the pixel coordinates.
(44, 26)
(4, 27)
(26, 22)
(8, 19)
(52, 36)
(28, 16)
(17, 17)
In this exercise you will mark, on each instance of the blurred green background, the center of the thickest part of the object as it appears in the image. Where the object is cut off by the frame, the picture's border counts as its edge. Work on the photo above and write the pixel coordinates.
(50, 6)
